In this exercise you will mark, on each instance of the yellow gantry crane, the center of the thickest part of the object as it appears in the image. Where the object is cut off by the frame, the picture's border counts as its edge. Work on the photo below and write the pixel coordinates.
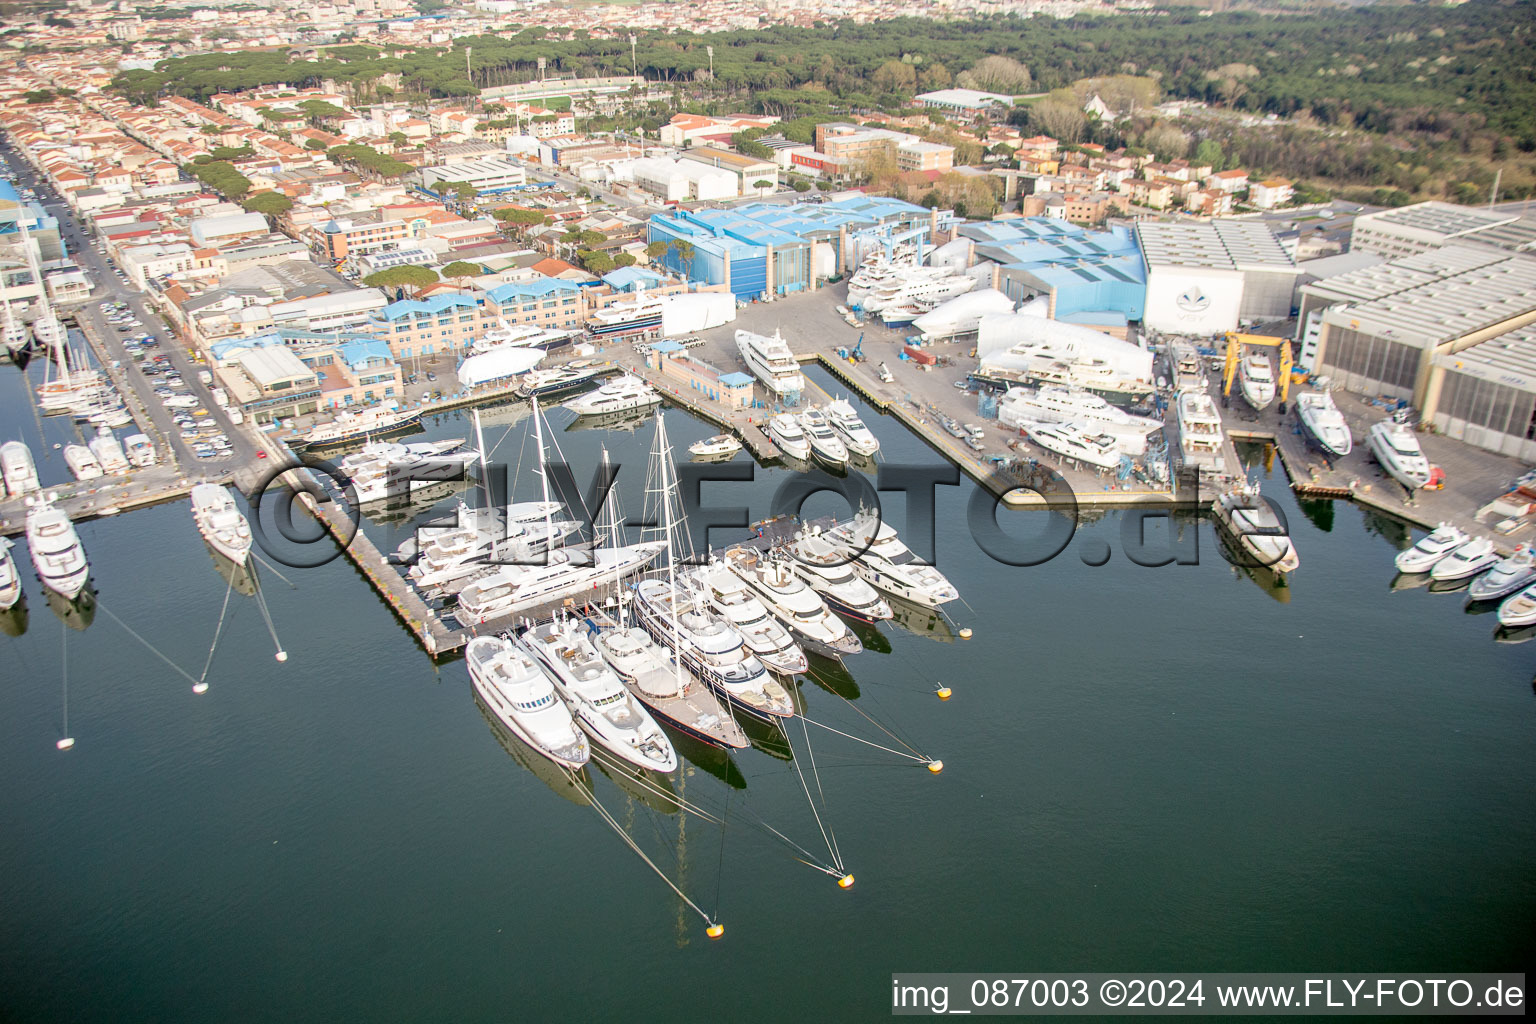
(1235, 343)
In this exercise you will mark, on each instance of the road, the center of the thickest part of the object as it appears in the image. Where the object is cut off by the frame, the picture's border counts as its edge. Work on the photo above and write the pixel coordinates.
(108, 287)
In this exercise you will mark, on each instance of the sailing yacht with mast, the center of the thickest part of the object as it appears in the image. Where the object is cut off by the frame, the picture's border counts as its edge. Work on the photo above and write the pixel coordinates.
(601, 705)
(57, 554)
(514, 588)
(655, 678)
(681, 620)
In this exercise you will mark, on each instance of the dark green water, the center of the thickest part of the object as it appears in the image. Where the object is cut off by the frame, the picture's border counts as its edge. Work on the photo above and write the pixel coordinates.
(1146, 769)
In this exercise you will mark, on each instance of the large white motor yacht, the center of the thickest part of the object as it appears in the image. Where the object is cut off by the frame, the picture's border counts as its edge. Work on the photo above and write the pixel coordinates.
(18, 469)
(622, 394)
(602, 707)
(221, 522)
(856, 436)
(1256, 380)
(826, 569)
(771, 361)
(884, 562)
(523, 698)
(1439, 544)
(796, 605)
(57, 554)
(1396, 448)
(1323, 424)
(825, 444)
(785, 430)
(764, 635)
(709, 646)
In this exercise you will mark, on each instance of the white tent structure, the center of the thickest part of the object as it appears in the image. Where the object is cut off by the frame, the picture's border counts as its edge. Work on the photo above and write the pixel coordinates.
(1012, 341)
(498, 364)
(699, 311)
(962, 314)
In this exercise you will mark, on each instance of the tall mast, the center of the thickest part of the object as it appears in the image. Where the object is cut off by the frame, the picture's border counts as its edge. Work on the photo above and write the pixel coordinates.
(549, 516)
(663, 455)
(485, 476)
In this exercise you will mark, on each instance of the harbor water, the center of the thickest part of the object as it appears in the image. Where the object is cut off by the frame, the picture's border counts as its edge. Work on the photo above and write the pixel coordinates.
(1145, 769)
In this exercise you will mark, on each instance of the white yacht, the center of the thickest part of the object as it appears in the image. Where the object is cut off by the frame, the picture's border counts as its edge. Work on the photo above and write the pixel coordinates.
(493, 521)
(601, 705)
(455, 557)
(386, 470)
(18, 469)
(1396, 448)
(884, 562)
(1507, 576)
(771, 361)
(712, 447)
(711, 648)
(57, 554)
(1200, 432)
(509, 589)
(786, 596)
(10, 579)
(1323, 424)
(82, 462)
(828, 571)
(919, 287)
(13, 336)
(638, 315)
(523, 699)
(879, 268)
(1256, 529)
(220, 521)
(109, 451)
(505, 335)
(1467, 560)
(555, 379)
(825, 444)
(622, 394)
(845, 420)
(357, 426)
(1519, 610)
(1437, 545)
(47, 331)
(1076, 444)
(1256, 380)
(1021, 406)
(764, 635)
(673, 694)
(785, 430)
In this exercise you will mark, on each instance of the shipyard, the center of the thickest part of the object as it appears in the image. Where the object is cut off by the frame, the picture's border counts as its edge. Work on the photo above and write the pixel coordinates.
(1065, 505)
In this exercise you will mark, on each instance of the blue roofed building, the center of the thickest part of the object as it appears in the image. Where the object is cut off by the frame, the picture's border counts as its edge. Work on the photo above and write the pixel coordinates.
(632, 279)
(446, 322)
(344, 369)
(1080, 271)
(762, 248)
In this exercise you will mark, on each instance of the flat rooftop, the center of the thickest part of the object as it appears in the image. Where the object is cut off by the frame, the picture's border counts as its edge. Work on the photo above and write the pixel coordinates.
(1223, 245)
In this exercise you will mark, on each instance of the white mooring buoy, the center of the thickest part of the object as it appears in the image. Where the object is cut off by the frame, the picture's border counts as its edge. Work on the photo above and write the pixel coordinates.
(65, 743)
(282, 655)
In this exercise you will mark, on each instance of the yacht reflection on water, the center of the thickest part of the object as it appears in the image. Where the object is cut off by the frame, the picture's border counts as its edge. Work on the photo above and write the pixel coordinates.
(640, 784)
(1272, 583)
(1409, 581)
(575, 786)
(920, 619)
(77, 614)
(13, 620)
(237, 574)
(422, 498)
(833, 676)
(628, 420)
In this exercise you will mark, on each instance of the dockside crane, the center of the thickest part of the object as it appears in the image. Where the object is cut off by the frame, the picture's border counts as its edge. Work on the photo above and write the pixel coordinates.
(1235, 343)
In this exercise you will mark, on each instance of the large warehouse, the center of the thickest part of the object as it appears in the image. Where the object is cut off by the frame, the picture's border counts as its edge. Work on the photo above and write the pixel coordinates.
(1424, 226)
(1078, 270)
(1207, 278)
(1444, 329)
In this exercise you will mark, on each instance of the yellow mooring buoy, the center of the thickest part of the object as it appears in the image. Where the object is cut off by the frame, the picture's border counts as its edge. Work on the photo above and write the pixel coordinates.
(935, 766)
(714, 931)
(943, 692)
(846, 882)
(965, 632)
